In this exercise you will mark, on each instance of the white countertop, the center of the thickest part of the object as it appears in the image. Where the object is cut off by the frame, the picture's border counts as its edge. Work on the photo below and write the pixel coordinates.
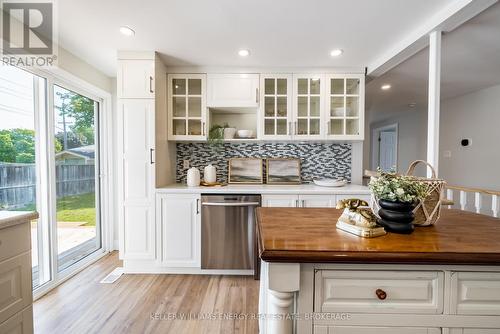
(302, 189)
(10, 218)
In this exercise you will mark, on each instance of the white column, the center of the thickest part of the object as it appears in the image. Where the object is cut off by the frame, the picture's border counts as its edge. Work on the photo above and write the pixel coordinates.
(279, 282)
(434, 100)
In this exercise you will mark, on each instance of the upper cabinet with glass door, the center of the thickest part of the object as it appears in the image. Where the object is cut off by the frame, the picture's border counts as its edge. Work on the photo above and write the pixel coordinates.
(187, 107)
(276, 111)
(345, 107)
(308, 106)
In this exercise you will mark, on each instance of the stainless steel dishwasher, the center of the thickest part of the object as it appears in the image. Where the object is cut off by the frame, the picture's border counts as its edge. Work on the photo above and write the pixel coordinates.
(228, 231)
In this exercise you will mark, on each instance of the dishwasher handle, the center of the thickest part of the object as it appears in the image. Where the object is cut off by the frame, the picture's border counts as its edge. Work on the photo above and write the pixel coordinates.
(230, 203)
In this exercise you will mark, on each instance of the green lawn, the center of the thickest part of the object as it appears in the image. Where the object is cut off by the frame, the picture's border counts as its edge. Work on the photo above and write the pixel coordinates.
(78, 208)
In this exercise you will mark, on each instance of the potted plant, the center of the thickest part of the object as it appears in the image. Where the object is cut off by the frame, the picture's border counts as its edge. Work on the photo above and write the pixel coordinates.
(397, 196)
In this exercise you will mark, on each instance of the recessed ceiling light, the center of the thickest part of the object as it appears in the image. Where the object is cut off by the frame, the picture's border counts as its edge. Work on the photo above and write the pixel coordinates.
(336, 52)
(386, 87)
(127, 31)
(244, 53)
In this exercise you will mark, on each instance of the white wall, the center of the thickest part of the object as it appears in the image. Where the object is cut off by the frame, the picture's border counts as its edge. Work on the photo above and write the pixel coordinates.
(412, 138)
(475, 116)
(83, 70)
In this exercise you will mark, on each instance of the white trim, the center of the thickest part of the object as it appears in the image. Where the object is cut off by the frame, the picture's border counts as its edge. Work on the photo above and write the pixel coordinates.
(434, 102)
(375, 147)
(267, 70)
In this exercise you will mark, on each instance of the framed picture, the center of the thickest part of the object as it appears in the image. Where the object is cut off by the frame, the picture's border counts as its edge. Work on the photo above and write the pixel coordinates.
(245, 170)
(283, 171)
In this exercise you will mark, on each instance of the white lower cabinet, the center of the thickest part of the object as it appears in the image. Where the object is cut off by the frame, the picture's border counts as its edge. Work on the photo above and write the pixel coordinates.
(180, 226)
(475, 293)
(307, 201)
(280, 201)
(317, 201)
(319, 329)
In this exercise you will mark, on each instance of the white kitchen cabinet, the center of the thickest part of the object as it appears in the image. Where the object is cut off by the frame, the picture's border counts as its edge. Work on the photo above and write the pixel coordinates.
(276, 112)
(475, 293)
(187, 111)
(308, 93)
(323, 329)
(345, 105)
(180, 223)
(317, 201)
(136, 177)
(280, 201)
(135, 78)
(233, 90)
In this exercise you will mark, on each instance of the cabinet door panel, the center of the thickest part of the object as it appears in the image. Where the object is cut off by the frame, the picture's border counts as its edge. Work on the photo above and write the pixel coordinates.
(317, 201)
(187, 116)
(308, 96)
(181, 228)
(135, 79)
(233, 90)
(276, 111)
(280, 201)
(475, 293)
(379, 330)
(15, 285)
(136, 174)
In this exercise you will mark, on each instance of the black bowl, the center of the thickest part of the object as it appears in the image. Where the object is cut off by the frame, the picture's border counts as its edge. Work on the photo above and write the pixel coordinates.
(396, 227)
(396, 206)
(397, 216)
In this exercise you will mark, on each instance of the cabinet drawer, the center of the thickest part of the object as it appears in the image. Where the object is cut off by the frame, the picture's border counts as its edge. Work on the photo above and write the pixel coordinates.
(475, 293)
(15, 285)
(14, 240)
(374, 330)
(20, 323)
(419, 292)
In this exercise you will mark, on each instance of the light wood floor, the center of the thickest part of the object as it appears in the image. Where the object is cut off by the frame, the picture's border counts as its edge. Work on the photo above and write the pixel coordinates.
(83, 305)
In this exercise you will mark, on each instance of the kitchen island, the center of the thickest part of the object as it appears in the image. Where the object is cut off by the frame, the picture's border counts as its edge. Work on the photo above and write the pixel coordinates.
(317, 279)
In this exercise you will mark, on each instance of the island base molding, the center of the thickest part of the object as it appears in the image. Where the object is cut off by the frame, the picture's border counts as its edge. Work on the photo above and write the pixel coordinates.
(311, 298)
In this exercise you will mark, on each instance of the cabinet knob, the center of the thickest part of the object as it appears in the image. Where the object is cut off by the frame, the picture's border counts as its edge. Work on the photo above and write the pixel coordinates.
(381, 294)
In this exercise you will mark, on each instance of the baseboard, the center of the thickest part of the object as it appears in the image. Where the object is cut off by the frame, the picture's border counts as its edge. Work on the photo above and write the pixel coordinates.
(116, 245)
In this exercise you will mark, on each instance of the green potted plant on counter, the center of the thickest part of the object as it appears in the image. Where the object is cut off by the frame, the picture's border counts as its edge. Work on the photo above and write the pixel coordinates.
(397, 196)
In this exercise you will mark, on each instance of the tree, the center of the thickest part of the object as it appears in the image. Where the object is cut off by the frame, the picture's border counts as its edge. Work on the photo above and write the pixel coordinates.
(7, 152)
(18, 145)
(81, 109)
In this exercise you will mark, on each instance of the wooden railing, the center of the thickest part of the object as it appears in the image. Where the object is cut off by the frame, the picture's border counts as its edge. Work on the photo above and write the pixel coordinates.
(478, 198)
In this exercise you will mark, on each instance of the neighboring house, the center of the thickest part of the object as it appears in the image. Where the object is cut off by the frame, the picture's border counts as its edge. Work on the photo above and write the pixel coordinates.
(84, 155)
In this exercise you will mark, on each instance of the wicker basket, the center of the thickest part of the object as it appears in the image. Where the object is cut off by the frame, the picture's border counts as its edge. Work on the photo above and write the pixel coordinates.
(428, 210)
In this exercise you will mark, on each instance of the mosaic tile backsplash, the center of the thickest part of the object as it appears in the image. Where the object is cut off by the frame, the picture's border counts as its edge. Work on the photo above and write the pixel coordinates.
(318, 160)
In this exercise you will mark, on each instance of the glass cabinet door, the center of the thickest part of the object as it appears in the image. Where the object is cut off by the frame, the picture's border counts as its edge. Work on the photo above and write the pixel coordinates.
(308, 106)
(276, 113)
(187, 106)
(344, 106)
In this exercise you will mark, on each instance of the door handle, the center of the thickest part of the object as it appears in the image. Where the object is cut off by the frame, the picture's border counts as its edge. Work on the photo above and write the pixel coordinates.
(151, 84)
(203, 128)
(289, 128)
(151, 151)
(303, 203)
(256, 95)
(328, 128)
(295, 127)
(297, 203)
(197, 206)
(230, 204)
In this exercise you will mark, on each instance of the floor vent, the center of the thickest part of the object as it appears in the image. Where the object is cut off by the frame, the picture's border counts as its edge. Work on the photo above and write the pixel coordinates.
(113, 276)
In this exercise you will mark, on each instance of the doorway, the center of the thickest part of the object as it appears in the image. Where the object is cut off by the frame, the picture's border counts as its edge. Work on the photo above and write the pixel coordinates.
(385, 147)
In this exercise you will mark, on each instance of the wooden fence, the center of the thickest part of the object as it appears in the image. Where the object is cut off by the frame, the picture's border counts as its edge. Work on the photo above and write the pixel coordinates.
(18, 183)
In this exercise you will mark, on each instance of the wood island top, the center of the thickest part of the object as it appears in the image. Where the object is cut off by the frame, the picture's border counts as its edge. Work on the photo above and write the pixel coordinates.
(309, 235)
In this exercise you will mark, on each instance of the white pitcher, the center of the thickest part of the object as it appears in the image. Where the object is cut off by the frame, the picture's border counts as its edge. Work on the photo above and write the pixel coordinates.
(193, 177)
(210, 174)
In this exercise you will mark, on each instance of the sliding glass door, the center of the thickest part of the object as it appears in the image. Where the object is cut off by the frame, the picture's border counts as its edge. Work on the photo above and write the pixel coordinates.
(49, 162)
(76, 168)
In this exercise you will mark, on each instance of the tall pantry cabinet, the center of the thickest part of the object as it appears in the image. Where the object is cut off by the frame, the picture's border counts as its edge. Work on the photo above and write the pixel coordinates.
(145, 159)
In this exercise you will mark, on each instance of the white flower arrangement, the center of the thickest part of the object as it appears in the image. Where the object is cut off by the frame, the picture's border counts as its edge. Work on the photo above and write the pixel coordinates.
(397, 188)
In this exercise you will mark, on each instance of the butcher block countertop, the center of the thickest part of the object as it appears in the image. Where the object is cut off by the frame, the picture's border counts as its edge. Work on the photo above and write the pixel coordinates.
(303, 235)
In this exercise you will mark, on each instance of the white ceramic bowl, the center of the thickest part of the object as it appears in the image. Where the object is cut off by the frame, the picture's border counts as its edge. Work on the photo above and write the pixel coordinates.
(229, 133)
(245, 133)
(330, 182)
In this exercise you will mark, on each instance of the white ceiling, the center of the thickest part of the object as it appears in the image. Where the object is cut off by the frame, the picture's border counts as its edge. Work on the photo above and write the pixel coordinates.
(209, 32)
(470, 62)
